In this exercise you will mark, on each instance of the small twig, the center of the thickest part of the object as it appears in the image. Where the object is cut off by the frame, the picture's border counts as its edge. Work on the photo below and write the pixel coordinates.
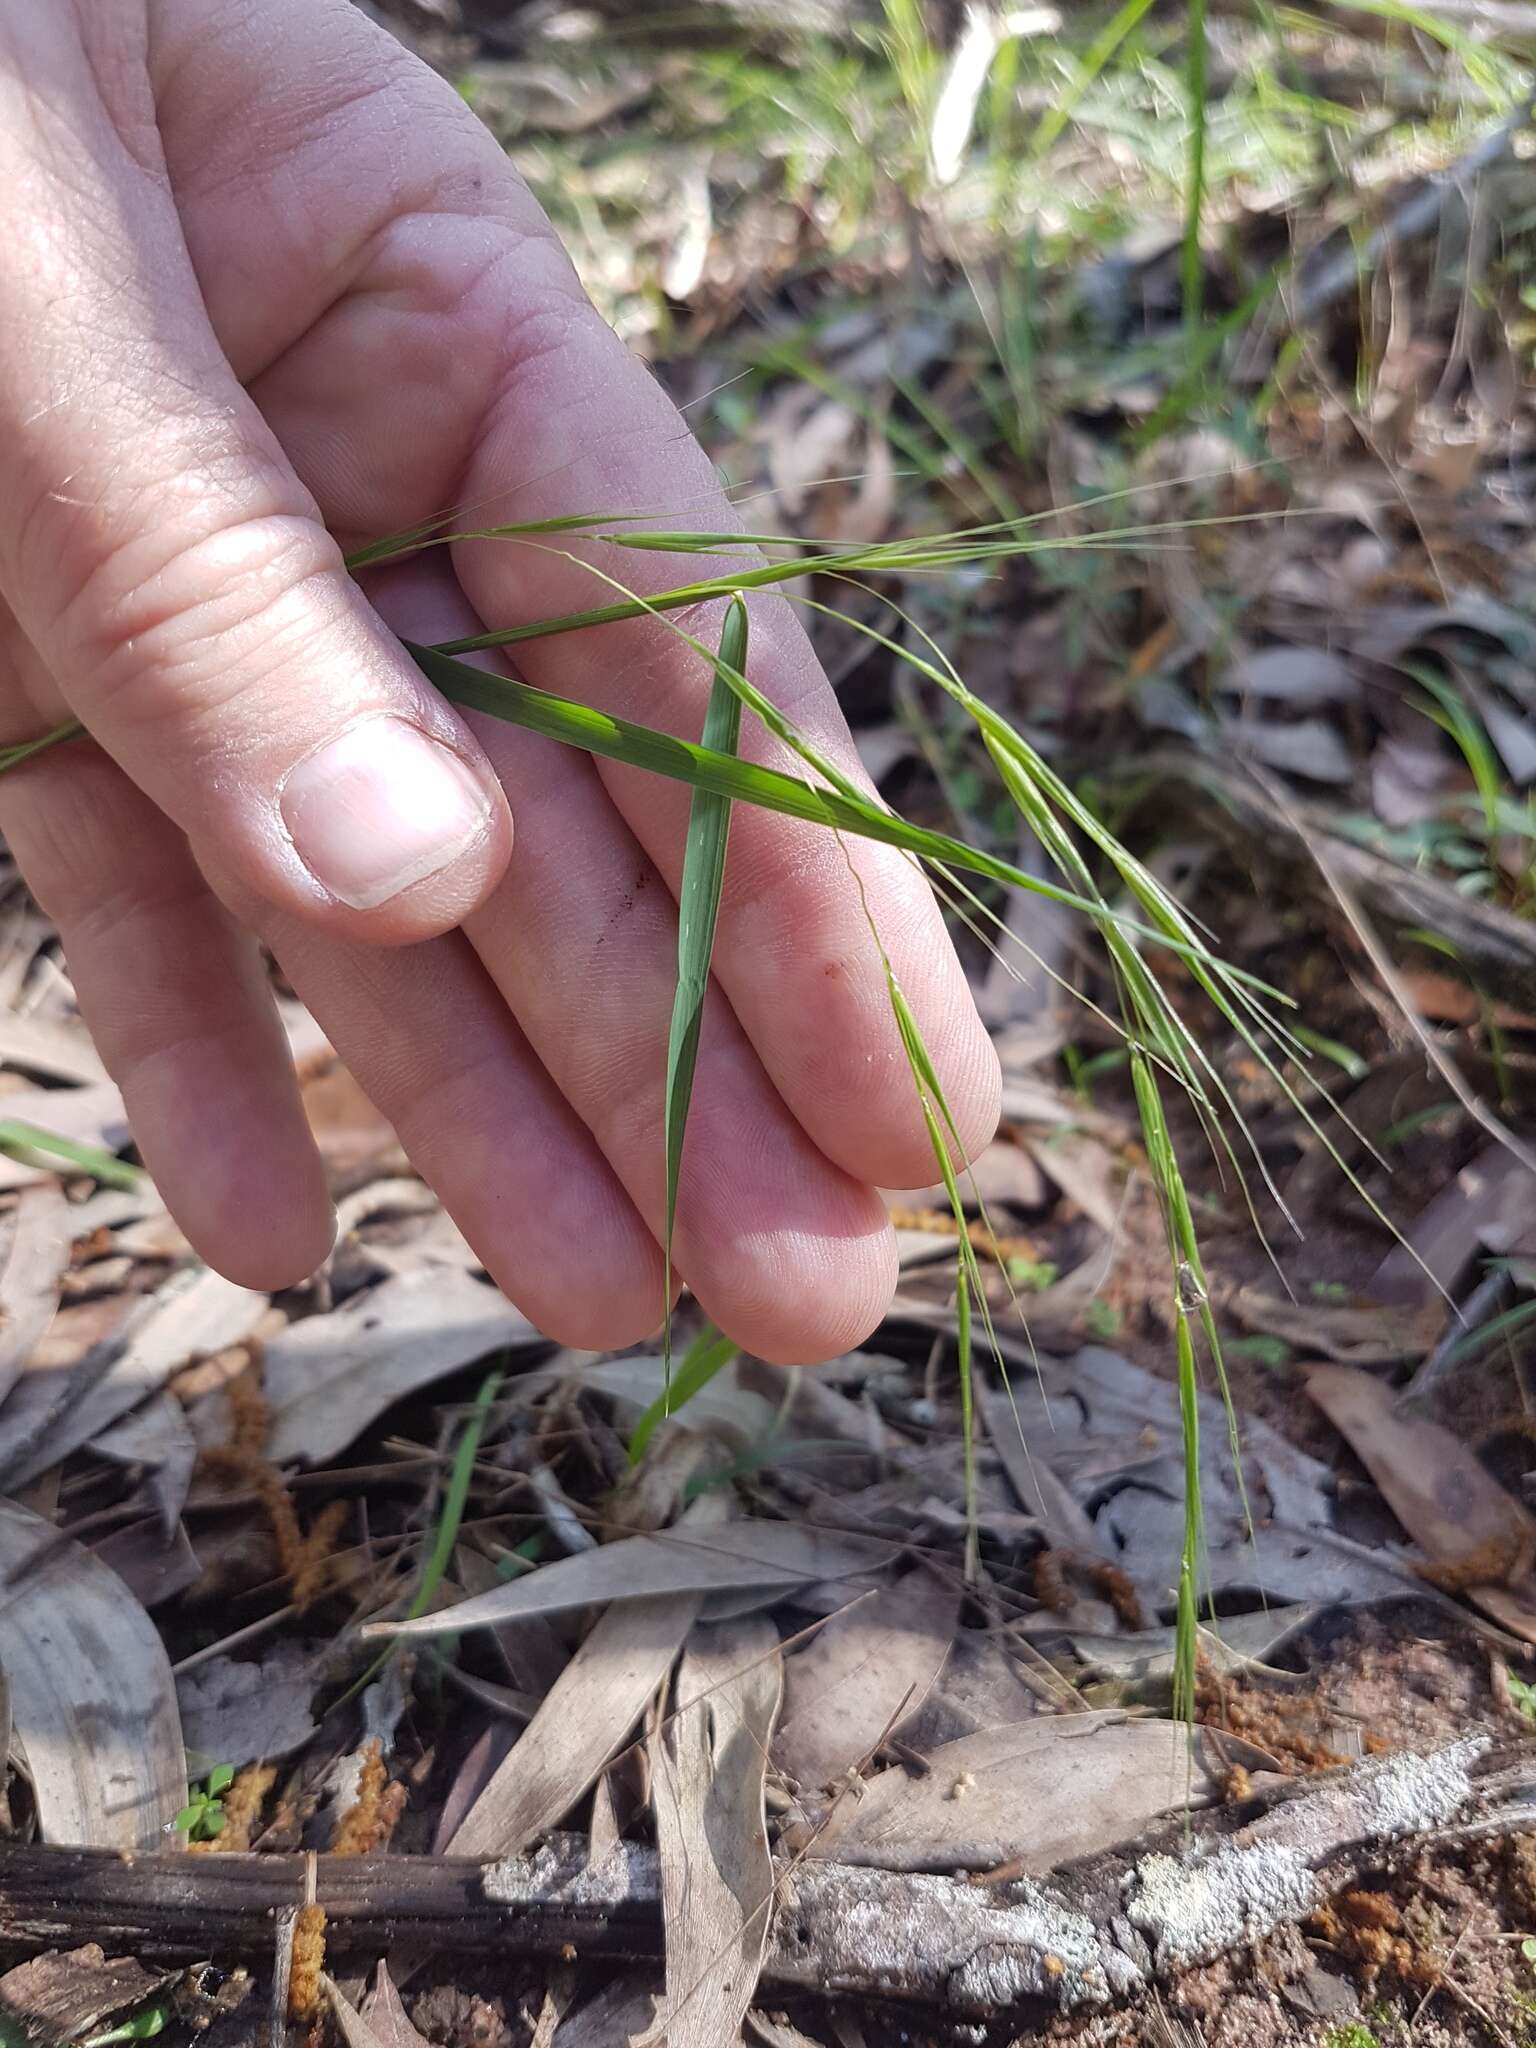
(285, 1924)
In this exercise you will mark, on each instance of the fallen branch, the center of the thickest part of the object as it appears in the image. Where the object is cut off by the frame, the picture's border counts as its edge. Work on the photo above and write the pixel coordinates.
(1112, 1927)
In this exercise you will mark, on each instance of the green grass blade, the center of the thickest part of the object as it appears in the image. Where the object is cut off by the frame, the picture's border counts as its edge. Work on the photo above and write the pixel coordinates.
(642, 746)
(970, 1288)
(1095, 57)
(27, 1141)
(445, 530)
(961, 550)
(449, 1521)
(698, 911)
(456, 1494)
(708, 1354)
(663, 753)
(1497, 76)
(12, 757)
(1192, 268)
(1186, 1634)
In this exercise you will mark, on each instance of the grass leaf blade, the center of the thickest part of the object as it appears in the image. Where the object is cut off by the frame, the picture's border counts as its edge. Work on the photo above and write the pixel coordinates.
(663, 753)
(29, 1142)
(708, 1354)
(698, 911)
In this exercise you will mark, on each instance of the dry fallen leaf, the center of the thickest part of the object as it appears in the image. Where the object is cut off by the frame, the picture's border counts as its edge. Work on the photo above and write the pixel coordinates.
(1488, 1207)
(1445, 1000)
(808, 438)
(93, 1702)
(1004, 1172)
(1087, 1173)
(51, 1413)
(348, 1129)
(1041, 1493)
(36, 1254)
(691, 1558)
(386, 2016)
(1298, 676)
(1481, 1538)
(708, 1764)
(156, 1437)
(380, 2022)
(1347, 1333)
(589, 1711)
(238, 1711)
(484, 1758)
(1041, 1792)
(327, 1377)
(39, 1045)
(154, 1566)
(618, 2017)
(864, 1673)
(584, 1720)
(979, 1687)
(722, 1407)
(1310, 747)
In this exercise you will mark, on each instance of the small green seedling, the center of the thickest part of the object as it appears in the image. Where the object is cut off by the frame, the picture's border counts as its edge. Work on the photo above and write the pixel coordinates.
(1033, 1276)
(1273, 1353)
(1524, 1696)
(1102, 1320)
(203, 1815)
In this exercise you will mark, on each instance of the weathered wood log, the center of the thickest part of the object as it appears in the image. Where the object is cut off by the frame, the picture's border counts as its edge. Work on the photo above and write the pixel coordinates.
(1112, 1927)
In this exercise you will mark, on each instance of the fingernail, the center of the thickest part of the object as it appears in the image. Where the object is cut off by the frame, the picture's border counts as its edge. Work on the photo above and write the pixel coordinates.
(379, 809)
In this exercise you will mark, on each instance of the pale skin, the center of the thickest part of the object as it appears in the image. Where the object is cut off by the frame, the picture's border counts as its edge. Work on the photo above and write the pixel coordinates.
(267, 289)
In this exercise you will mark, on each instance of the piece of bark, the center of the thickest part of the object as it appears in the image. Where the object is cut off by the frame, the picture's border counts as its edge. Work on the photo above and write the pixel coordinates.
(58, 1997)
(1113, 1927)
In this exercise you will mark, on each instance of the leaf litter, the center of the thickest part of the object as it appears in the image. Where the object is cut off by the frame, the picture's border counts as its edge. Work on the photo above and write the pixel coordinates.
(964, 1688)
(709, 1759)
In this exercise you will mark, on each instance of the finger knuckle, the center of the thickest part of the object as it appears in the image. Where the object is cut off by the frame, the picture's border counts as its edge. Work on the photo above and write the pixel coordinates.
(162, 630)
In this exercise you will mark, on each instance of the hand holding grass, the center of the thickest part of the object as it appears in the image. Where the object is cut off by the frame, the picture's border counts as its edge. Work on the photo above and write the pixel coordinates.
(268, 287)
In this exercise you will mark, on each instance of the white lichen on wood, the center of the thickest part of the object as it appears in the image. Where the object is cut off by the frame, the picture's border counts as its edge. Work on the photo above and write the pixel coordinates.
(978, 1949)
(1101, 1931)
(1192, 1908)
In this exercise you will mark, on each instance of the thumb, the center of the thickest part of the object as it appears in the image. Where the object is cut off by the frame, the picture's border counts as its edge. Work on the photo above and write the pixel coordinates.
(170, 569)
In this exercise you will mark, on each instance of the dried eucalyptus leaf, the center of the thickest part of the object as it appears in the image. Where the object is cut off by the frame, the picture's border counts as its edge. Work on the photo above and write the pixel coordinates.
(93, 1701)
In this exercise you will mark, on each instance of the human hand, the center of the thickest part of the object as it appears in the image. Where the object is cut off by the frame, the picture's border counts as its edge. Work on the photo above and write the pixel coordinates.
(265, 280)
